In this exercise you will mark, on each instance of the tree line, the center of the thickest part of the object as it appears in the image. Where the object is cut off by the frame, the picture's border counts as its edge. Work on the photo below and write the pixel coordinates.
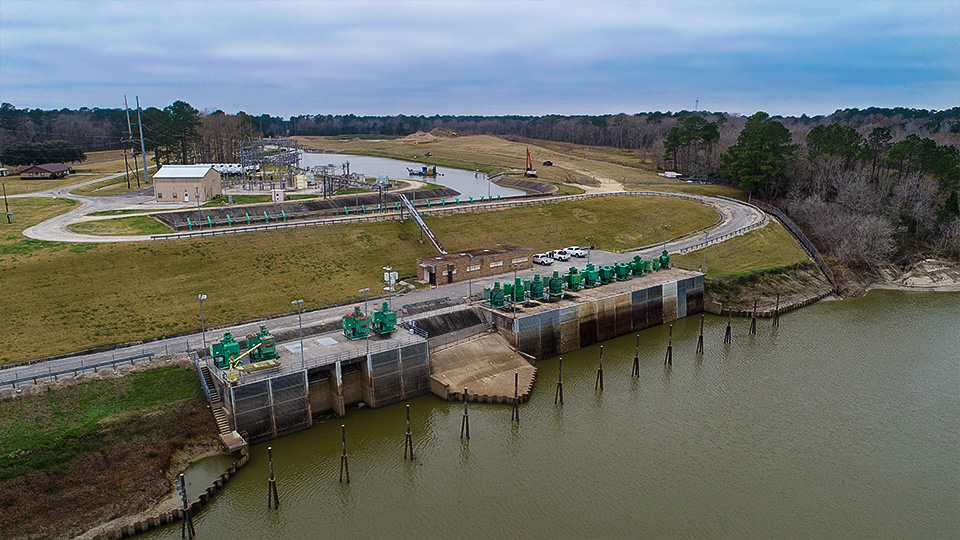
(30, 153)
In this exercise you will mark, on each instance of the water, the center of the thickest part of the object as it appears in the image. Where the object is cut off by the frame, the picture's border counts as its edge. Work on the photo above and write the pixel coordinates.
(842, 424)
(466, 182)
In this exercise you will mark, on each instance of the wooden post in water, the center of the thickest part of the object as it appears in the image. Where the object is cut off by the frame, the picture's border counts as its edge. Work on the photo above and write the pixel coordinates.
(465, 424)
(273, 498)
(753, 319)
(728, 337)
(186, 517)
(635, 372)
(668, 359)
(700, 339)
(559, 394)
(344, 464)
(408, 442)
(776, 313)
(516, 397)
(599, 383)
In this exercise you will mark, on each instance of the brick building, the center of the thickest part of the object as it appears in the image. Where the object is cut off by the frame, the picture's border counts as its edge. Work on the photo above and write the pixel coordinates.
(47, 170)
(472, 263)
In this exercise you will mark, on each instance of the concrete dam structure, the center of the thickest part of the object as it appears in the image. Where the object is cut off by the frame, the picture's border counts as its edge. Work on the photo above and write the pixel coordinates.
(446, 350)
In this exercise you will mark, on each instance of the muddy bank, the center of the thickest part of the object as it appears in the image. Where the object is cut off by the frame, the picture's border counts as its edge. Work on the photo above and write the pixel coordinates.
(798, 285)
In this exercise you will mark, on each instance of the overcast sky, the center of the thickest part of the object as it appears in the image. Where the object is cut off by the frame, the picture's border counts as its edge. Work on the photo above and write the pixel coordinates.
(529, 58)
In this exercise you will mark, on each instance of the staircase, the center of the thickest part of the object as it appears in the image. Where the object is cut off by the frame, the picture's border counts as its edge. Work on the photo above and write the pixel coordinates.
(211, 388)
(223, 423)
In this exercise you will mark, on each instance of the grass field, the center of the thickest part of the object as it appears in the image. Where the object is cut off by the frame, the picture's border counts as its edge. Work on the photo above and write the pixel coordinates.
(763, 249)
(133, 225)
(83, 295)
(97, 165)
(58, 445)
(27, 212)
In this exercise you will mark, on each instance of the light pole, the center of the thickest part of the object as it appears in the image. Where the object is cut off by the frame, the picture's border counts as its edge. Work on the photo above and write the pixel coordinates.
(704, 267)
(488, 185)
(203, 327)
(365, 290)
(299, 304)
(589, 240)
(388, 270)
(469, 277)
(516, 338)
(665, 229)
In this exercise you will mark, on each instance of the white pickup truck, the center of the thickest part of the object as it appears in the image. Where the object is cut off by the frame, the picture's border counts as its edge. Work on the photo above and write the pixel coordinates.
(575, 251)
(542, 258)
(559, 255)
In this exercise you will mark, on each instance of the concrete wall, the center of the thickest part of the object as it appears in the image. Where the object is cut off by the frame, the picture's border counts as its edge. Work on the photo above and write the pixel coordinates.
(571, 327)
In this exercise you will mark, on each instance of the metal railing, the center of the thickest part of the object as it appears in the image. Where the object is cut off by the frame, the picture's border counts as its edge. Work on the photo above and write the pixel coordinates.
(52, 375)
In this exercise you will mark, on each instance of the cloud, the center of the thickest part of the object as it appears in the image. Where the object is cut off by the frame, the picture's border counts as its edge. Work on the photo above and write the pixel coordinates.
(481, 57)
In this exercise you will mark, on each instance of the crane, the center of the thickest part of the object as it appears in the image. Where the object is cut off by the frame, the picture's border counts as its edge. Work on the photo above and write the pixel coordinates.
(236, 360)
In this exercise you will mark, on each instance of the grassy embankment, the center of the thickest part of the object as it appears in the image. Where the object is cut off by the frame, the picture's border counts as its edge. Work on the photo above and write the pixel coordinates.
(125, 226)
(87, 453)
(83, 295)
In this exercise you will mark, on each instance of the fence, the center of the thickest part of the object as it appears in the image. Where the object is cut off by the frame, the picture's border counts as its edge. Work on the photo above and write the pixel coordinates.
(802, 238)
(54, 376)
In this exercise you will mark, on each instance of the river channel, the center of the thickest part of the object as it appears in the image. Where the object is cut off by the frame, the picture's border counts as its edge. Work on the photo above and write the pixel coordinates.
(842, 423)
(468, 183)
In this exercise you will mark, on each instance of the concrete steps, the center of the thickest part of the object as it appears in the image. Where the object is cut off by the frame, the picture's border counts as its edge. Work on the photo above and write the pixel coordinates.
(223, 423)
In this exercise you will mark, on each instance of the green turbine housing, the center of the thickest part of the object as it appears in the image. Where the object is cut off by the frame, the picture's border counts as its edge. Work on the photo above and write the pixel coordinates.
(607, 274)
(622, 271)
(354, 324)
(555, 285)
(384, 320)
(518, 292)
(225, 349)
(536, 288)
(496, 295)
(591, 276)
(573, 279)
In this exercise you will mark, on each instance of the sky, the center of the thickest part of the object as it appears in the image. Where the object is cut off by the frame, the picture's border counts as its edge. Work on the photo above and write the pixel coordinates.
(288, 58)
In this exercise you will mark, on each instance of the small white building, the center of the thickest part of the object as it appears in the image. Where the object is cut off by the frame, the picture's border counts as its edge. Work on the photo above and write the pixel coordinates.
(184, 183)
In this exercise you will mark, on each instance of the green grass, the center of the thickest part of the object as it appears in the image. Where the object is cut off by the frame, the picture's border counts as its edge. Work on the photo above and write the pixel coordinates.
(108, 188)
(127, 226)
(238, 199)
(567, 189)
(119, 212)
(302, 197)
(47, 431)
(27, 212)
(95, 294)
(766, 249)
(365, 136)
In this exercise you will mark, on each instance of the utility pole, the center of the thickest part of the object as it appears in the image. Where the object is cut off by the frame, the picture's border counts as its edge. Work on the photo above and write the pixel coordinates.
(143, 147)
(130, 134)
(199, 217)
(5, 205)
(126, 164)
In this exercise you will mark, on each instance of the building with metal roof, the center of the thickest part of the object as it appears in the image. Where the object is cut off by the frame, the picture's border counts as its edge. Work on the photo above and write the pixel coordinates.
(186, 183)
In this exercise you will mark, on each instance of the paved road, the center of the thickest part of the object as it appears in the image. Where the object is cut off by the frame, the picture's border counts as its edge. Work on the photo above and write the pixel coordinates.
(56, 228)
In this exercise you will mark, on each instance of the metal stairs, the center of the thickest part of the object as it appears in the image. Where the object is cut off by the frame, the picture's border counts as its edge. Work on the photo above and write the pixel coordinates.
(423, 226)
(211, 388)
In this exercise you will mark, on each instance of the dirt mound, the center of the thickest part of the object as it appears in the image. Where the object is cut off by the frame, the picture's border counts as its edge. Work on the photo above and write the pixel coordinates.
(421, 136)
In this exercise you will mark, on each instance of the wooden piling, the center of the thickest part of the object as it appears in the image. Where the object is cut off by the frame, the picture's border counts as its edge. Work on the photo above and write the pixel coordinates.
(700, 338)
(465, 424)
(668, 359)
(186, 515)
(728, 337)
(516, 397)
(408, 442)
(635, 372)
(272, 496)
(599, 383)
(344, 464)
(776, 313)
(753, 319)
(559, 394)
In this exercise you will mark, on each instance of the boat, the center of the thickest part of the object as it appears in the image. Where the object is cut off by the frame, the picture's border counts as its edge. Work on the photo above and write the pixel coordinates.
(425, 171)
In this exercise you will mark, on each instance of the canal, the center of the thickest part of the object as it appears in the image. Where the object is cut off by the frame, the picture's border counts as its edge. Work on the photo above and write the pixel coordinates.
(468, 183)
(843, 423)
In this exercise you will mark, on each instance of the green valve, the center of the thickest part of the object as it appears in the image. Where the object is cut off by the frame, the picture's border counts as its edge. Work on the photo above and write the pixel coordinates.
(346, 211)
(284, 214)
(428, 203)
(364, 208)
(398, 206)
(229, 222)
(458, 200)
(189, 225)
(443, 202)
(498, 196)
(471, 199)
(266, 217)
(210, 222)
(248, 218)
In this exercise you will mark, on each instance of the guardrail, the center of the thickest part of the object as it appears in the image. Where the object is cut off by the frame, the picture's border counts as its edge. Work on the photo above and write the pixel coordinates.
(54, 376)
(797, 233)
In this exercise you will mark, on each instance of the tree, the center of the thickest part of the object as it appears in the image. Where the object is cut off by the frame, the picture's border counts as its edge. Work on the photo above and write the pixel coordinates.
(835, 140)
(758, 161)
(877, 144)
(184, 128)
(672, 145)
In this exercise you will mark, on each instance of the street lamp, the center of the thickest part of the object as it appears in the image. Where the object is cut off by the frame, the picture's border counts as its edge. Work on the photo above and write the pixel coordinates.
(665, 229)
(388, 270)
(469, 277)
(367, 315)
(516, 338)
(589, 240)
(203, 328)
(299, 304)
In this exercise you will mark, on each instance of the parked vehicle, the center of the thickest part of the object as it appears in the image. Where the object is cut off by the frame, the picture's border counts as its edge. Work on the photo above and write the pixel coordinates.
(559, 255)
(542, 258)
(575, 251)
